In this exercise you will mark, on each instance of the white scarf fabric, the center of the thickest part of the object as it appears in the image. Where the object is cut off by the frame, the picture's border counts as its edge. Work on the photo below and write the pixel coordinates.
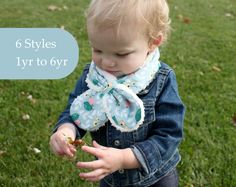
(109, 98)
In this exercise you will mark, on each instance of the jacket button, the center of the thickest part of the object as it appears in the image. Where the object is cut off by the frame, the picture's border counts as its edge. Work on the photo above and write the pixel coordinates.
(116, 142)
(121, 171)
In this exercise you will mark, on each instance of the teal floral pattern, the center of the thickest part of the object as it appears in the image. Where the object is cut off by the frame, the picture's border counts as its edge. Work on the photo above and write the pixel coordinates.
(109, 98)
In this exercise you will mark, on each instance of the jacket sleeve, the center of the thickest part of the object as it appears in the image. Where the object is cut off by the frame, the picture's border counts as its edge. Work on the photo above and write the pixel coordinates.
(80, 87)
(167, 130)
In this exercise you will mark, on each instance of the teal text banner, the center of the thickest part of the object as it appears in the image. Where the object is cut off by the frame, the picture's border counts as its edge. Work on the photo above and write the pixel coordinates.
(37, 53)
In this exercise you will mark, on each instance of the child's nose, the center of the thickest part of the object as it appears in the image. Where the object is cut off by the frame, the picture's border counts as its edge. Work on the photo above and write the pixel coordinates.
(108, 62)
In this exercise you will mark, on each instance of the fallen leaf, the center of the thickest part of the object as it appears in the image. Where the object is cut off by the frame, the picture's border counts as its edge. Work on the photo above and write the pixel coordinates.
(180, 17)
(52, 7)
(65, 7)
(187, 20)
(76, 143)
(30, 97)
(36, 150)
(2, 153)
(228, 15)
(201, 73)
(234, 120)
(215, 68)
(184, 19)
(26, 117)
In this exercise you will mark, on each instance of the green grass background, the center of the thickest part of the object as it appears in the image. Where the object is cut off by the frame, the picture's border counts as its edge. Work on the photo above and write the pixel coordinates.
(203, 39)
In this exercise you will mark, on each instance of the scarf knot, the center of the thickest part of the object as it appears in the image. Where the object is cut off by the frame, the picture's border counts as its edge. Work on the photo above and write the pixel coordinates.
(109, 98)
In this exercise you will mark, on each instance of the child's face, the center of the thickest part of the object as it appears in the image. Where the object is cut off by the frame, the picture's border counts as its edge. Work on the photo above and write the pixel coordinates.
(118, 55)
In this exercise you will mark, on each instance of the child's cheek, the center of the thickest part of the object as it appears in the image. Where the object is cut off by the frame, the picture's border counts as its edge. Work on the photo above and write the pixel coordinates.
(96, 59)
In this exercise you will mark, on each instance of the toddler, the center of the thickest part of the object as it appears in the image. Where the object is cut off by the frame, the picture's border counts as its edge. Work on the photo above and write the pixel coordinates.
(126, 98)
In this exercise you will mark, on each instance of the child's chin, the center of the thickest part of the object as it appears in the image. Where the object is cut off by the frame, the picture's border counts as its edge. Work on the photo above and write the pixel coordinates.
(117, 73)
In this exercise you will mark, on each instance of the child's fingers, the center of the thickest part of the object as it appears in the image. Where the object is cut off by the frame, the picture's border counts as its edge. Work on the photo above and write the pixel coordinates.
(62, 147)
(54, 145)
(55, 148)
(72, 148)
(92, 150)
(95, 179)
(67, 149)
(96, 145)
(96, 164)
(93, 174)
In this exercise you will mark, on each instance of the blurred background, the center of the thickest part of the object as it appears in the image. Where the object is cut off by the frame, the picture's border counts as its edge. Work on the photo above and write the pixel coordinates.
(201, 50)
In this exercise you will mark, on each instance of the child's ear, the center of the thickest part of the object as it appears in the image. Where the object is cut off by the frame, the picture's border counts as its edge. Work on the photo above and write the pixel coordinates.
(154, 43)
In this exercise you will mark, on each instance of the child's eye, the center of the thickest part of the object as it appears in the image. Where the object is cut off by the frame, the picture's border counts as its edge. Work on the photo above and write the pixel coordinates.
(97, 51)
(122, 55)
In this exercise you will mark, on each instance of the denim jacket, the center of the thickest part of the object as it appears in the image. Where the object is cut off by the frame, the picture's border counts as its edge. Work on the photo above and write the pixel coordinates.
(155, 143)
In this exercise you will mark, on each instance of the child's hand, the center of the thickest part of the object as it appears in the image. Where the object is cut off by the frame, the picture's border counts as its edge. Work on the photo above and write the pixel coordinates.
(59, 141)
(109, 161)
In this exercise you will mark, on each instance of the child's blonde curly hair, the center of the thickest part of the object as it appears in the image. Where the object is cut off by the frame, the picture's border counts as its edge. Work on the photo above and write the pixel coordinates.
(148, 16)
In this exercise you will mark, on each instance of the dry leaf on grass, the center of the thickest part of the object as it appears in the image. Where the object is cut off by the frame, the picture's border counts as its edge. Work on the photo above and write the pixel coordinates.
(234, 120)
(180, 17)
(56, 8)
(184, 19)
(187, 20)
(30, 97)
(52, 7)
(36, 150)
(2, 153)
(215, 68)
(228, 15)
(25, 116)
(65, 7)
(201, 73)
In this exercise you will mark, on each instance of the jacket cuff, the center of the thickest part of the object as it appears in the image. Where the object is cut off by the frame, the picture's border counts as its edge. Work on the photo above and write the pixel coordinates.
(140, 159)
(145, 154)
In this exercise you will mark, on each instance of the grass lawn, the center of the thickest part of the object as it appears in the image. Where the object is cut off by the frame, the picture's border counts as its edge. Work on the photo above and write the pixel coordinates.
(202, 50)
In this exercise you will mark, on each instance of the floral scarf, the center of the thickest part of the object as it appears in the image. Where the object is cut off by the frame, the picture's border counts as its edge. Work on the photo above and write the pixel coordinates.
(113, 99)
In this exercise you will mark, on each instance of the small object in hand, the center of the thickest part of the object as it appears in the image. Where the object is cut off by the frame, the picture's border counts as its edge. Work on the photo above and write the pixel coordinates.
(76, 143)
